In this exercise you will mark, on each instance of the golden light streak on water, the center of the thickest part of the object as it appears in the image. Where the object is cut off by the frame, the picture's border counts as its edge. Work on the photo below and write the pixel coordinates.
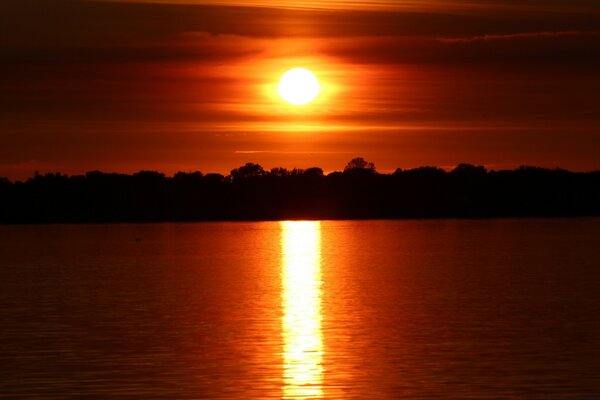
(301, 300)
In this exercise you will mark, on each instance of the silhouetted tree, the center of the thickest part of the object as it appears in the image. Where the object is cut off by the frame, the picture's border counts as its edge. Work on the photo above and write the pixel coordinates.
(279, 172)
(249, 170)
(359, 163)
(469, 169)
(188, 176)
(422, 171)
(313, 171)
(213, 178)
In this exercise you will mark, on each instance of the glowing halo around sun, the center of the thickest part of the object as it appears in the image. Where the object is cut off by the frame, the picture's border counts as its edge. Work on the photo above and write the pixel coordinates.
(299, 86)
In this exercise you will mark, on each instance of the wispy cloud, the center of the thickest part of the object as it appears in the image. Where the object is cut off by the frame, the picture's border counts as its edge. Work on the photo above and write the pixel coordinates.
(526, 35)
(386, 5)
(289, 152)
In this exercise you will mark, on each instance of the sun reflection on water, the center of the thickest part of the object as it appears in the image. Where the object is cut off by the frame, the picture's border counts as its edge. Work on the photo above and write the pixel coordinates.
(301, 299)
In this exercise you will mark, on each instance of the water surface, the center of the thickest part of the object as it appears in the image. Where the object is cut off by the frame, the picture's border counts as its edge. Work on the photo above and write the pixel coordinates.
(332, 309)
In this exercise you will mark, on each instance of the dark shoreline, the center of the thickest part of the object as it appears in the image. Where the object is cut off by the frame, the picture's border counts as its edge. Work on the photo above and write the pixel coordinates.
(209, 221)
(251, 194)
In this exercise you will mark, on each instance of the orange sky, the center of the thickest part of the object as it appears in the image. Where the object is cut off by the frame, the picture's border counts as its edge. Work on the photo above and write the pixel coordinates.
(116, 86)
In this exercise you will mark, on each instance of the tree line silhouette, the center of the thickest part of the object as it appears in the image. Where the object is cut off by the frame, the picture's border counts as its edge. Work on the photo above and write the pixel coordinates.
(252, 193)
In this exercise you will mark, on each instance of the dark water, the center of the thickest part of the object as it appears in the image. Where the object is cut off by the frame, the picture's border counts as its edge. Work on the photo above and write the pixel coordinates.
(336, 309)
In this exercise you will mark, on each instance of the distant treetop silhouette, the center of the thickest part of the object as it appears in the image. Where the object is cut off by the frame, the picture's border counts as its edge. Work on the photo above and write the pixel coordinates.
(359, 163)
(249, 170)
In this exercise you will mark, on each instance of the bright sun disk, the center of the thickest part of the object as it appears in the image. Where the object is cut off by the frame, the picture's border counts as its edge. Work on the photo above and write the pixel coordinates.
(299, 86)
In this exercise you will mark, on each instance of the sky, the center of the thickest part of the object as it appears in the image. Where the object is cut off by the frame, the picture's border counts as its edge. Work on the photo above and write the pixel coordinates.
(185, 85)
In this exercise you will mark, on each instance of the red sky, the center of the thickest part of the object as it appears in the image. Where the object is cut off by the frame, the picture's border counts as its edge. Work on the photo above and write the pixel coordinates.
(189, 85)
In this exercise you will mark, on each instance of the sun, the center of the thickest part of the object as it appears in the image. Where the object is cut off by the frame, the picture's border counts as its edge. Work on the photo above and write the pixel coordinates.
(299, 86)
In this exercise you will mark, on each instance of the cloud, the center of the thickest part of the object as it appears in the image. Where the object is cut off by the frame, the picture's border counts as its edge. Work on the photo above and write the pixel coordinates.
(38, 23)
(513, 36)
(552, 50)
(393, 5)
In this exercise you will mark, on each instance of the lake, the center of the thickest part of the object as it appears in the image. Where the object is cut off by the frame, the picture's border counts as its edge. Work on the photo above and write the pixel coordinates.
(332, 309)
